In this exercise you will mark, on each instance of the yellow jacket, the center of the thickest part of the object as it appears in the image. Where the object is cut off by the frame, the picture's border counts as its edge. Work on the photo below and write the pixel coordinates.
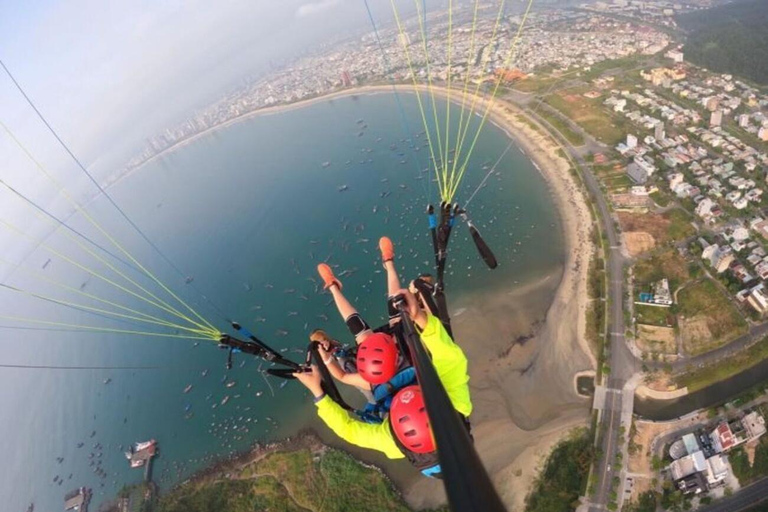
(451, 365)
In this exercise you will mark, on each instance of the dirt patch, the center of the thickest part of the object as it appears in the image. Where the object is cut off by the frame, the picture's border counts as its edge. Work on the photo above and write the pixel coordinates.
(659, 381)
(750, 448)
(695, 333)
(638, 242)
(651, 338)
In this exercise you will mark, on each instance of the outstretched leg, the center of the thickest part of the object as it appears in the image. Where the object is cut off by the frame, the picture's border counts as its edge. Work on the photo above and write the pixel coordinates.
(388, 258)
(393, 280)
(357, 326)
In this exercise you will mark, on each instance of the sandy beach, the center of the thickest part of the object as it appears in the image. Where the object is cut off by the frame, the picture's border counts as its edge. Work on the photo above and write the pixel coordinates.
(522, 368)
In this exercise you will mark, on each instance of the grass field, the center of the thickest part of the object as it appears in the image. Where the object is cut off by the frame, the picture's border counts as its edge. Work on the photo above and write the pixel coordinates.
(707, 318)
(535, 84)
(710, 374)
(670, 226)
(654, 315)
(564, 128)
(300, 480)
(589, 114)
(668, 264)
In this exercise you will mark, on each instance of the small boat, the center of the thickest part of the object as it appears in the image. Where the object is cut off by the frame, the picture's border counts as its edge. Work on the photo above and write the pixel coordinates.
(189, 279)
(325, 164)
(343, 188)
(259, 393)
(188, 388)
(187, 407)
(225, 400)
(231, 384)
(107, 381)
(204, 373)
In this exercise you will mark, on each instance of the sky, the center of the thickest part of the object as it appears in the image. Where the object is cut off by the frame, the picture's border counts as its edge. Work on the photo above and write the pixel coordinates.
(108, 75)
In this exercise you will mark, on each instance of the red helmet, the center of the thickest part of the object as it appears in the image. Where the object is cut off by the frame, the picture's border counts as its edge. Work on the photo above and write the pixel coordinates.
(408, 416)
(377, 358)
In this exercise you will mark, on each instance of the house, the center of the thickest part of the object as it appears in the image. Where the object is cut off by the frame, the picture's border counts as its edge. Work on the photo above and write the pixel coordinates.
(692, 484)
(688, 465)
(759, 302)
(637, 174)
(754, 424)
(717, 471)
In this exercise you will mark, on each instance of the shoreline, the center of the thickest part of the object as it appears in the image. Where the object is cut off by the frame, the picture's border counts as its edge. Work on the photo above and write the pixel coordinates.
(523, 389)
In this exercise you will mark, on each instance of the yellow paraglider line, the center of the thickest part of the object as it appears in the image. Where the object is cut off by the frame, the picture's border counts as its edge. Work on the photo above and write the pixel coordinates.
(463, 132)
(91, 309)
(454, 187)
(448, 91)
(165, 306)
(94, 273)
(39, 275)
(90, 219)
(418, 96)
(103, 329)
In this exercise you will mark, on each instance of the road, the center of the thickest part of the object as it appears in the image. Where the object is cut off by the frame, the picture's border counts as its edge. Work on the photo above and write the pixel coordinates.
(741, 501)
(622, 362)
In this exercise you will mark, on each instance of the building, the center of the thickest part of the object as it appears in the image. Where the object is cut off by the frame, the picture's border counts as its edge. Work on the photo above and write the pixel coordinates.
(754, 424)
(346, 79)
(637, 174)
(688, 465)
(78, 499)
(762, 134)
(717, 471)
(759, 302)
(675, 55)
(692, 484)
(716, 119)
(631, 141)
(744, 120)
(658, 131)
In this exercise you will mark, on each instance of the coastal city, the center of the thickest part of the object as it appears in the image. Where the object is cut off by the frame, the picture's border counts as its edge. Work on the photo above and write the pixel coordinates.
(629, 376)
(680, 153)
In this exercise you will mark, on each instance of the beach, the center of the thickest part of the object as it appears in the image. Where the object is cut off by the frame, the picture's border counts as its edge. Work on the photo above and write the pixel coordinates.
(522, 364)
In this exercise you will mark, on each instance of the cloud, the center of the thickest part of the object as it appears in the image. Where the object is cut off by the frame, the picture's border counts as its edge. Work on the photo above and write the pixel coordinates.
(316, 7)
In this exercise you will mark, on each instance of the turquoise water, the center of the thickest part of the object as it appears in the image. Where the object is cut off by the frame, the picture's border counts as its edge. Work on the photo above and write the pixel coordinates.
(248, 211)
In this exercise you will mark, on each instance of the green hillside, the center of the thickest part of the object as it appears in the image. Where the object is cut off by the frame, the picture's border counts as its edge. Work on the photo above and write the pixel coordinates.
(732, 38)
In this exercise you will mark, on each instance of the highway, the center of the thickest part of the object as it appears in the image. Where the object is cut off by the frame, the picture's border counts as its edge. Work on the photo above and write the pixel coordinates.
(622, 362)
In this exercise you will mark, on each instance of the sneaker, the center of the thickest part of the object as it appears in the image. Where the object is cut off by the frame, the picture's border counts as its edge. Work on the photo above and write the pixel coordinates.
(326, 274)
(387, 249)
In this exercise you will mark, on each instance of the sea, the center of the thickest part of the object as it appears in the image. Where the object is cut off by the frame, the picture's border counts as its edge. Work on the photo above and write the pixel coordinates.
(243, 213)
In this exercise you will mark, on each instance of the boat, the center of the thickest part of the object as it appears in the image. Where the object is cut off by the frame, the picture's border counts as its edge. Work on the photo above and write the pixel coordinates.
(326, 164)
(188, 388)
(231, 384)
(342, 188)
(107, 381)
(225, 400)
(189, 279)
(204, 373)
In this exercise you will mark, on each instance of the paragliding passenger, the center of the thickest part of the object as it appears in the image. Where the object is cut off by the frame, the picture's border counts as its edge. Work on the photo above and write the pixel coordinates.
(405, 431)
(355, 323)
